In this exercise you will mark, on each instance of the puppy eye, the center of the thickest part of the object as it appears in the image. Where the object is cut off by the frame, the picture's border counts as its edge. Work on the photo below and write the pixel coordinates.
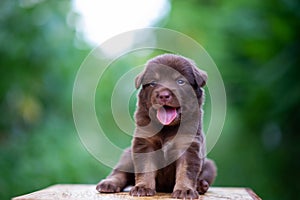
(180, 82)
(153, 83)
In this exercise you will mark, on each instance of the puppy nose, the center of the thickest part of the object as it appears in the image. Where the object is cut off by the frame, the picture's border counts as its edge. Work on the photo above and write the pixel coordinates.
(164, 96)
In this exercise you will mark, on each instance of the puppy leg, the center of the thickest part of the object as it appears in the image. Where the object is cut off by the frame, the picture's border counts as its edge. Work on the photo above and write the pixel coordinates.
(145, 184)
(207, 176)
(187, 169)
(145, 166)
(120, 176)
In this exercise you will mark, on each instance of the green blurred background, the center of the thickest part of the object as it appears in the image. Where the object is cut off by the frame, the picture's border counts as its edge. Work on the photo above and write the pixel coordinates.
(255, 44)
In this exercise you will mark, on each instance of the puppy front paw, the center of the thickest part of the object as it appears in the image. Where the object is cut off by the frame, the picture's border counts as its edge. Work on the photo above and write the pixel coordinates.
(185, 194)
(142, 191)
(107, 186)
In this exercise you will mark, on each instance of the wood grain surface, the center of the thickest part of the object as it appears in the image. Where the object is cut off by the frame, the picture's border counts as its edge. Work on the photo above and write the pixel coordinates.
(88, 192)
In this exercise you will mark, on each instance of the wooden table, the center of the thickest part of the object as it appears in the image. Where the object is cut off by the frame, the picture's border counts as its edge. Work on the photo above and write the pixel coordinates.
(88, 192)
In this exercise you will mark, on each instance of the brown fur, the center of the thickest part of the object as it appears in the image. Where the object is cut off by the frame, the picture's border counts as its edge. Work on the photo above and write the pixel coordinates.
(191, 173)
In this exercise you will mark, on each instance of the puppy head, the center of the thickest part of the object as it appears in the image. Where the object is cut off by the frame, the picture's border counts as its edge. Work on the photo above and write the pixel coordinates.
(169, 83)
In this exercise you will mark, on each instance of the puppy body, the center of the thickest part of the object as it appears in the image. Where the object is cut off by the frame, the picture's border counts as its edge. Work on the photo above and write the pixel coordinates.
(168, 149)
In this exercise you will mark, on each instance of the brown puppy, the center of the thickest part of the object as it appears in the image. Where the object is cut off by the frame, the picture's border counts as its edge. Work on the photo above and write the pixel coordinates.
(168, 148)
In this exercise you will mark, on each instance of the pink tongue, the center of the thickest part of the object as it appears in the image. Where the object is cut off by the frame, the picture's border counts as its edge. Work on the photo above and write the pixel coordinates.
(166, 115)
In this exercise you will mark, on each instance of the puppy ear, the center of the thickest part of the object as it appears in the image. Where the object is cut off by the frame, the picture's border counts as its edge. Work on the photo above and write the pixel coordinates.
(200, 76)
(138, 80)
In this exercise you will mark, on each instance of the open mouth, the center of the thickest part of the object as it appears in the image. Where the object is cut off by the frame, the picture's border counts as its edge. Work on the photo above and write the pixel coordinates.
(166, 114)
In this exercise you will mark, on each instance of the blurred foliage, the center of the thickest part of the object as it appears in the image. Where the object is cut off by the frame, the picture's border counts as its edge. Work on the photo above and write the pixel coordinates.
(255, 44)
(38, 59)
